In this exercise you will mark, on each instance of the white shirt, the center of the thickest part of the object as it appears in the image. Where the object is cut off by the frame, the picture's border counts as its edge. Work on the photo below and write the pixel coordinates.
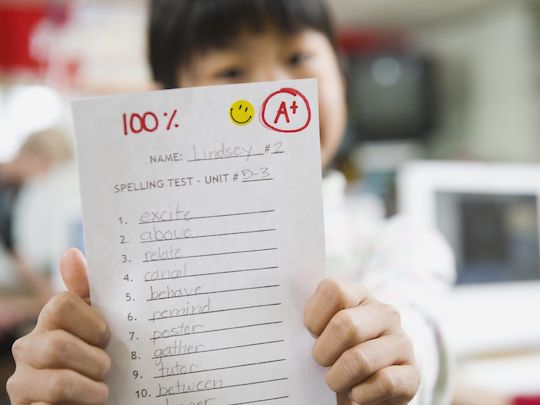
(403, 264)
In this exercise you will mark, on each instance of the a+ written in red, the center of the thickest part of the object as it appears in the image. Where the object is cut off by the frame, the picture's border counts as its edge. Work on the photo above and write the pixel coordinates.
(286, 110)
(282, 112)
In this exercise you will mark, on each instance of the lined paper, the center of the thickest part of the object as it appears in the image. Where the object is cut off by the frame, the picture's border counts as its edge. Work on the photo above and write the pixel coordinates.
(203, 227)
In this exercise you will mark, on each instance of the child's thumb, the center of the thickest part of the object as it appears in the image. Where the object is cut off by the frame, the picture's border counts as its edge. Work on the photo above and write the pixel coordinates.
(74, 274)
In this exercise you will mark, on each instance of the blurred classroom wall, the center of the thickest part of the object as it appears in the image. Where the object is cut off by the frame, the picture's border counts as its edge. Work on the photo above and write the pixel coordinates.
(489, 69)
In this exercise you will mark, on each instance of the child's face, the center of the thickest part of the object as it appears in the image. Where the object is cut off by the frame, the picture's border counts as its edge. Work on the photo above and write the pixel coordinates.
(270, 56)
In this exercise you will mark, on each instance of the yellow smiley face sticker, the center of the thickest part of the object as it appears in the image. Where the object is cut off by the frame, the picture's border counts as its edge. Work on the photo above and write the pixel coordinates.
(241, 112)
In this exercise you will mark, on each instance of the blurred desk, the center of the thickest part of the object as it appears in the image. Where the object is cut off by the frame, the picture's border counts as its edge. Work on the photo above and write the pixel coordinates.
(495, 334)
(512, 374)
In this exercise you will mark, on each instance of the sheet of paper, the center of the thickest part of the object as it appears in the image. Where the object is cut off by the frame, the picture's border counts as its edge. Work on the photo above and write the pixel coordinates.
(204, 235)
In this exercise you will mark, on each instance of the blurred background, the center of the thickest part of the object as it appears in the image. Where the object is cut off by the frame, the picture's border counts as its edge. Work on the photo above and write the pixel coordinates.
(444, 125)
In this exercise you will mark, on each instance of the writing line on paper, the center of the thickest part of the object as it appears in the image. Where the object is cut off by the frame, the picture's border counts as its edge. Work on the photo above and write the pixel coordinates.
(177, 274)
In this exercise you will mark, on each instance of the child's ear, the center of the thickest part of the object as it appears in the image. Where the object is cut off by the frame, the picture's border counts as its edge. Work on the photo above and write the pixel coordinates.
(344, 81)
(343, 69)
(155, 85)
(344, 72)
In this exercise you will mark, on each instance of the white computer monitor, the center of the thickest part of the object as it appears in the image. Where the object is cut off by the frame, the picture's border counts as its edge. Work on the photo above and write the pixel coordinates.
(490, 214)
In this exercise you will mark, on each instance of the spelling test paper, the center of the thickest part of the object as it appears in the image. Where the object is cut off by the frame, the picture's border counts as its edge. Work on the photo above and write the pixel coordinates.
(204, 235)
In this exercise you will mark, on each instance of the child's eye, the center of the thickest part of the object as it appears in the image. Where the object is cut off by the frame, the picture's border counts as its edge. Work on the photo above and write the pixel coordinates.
(298, 58)
(230, 73)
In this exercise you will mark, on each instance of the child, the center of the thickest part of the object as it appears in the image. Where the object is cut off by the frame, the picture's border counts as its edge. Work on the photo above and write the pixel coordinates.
(369, 357)
(24, 284)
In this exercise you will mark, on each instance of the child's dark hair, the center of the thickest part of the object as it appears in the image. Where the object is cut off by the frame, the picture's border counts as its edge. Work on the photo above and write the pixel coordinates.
(181, 28)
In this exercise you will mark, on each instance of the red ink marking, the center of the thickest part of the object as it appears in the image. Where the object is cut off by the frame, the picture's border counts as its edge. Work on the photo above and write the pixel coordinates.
(147, 126)
(124, 116)
(148, 122)
(171, 120)
(282, 111)
(294, 107)
(134, 129)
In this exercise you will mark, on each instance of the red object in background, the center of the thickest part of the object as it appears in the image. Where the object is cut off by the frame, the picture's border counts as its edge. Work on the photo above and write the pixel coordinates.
(369, 42)
(17, 24)
(527, 400)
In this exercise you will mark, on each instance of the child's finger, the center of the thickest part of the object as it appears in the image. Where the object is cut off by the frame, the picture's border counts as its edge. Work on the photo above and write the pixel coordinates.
(55, 386)
(343, 399)
(330, 297)
(58, 349)
(362, 361)
(69, 312)
(391, 384)
(350, 327)
(73, 270)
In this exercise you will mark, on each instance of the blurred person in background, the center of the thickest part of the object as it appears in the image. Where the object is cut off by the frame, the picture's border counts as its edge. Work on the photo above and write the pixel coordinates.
(24, 286)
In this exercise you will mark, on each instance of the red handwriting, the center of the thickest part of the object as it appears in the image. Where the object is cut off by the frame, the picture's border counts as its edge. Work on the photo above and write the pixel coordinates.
(148, 122)
(286, 110)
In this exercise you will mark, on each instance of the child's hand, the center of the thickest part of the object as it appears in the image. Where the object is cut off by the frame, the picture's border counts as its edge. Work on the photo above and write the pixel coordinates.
(61, 360)
(371, 359)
